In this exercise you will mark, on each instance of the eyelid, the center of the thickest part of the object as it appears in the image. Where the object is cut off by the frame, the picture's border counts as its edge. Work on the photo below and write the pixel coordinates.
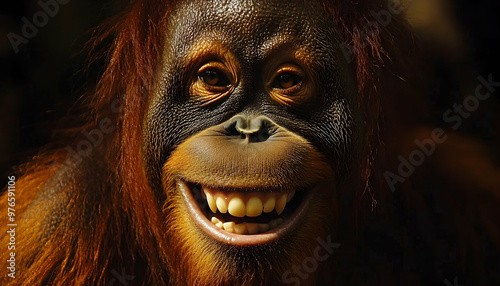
(295, 95)
(206, 93)
(288, 68)
(217, 66)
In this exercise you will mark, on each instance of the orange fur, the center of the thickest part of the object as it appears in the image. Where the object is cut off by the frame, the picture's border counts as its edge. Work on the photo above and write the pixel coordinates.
(114, 221)
(125, 219)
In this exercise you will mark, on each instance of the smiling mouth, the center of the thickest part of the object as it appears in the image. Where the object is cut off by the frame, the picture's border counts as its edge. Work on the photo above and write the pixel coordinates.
(244, 217)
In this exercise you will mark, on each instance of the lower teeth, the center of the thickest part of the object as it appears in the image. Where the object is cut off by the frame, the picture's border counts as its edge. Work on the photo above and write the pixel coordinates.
(246, 228)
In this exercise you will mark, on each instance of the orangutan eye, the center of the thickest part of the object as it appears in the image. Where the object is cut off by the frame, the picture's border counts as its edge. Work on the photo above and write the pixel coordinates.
(286, 80)
(290, 85)
(214, 78)
(213, 81)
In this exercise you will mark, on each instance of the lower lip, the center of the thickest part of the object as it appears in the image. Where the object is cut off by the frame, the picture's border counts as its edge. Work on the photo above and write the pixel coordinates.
(239, 239)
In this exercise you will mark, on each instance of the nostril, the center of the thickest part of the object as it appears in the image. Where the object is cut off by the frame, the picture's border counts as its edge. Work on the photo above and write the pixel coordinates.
(230, 129)
(259, 136)
(233, 126)
(254, 129)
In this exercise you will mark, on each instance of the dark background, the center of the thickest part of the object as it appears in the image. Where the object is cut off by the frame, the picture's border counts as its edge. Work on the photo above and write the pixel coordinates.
(41, 83)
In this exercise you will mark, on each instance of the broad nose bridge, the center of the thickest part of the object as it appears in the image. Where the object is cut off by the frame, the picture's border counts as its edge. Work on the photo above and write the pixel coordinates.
(250, 127)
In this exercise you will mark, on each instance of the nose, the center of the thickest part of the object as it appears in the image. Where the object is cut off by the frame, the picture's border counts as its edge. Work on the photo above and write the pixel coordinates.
(251, 128)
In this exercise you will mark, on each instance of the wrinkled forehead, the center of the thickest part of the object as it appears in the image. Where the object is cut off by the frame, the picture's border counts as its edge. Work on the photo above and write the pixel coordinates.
(250, 27)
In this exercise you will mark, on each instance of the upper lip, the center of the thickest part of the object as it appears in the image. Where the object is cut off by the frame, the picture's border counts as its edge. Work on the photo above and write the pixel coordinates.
(289, 223)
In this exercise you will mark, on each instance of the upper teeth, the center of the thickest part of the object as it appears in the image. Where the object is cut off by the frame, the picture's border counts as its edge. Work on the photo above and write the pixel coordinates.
(250, 205)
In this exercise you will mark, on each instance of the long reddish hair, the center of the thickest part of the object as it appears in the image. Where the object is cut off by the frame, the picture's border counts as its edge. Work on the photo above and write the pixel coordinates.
(122, 221)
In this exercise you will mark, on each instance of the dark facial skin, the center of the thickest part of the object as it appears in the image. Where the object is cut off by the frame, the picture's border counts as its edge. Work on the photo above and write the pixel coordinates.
(260, 36)
(274, 60)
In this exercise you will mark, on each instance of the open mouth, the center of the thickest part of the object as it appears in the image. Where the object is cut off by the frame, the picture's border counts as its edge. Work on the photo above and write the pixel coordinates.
(244, 217)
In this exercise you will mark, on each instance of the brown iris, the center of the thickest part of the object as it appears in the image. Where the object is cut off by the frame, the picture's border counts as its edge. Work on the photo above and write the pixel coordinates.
(286, 80)
(214, 78)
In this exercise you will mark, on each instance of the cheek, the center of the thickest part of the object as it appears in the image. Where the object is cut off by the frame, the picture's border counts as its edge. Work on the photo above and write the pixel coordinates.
(332, 130)
(168, 123)
(338, 119)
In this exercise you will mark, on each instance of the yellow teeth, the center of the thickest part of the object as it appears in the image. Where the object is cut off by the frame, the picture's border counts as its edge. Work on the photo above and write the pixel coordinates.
(280, 204)
(252, 228)
(241, 204)
(221, 205)
(250, 205)
(211, 202)
(229, 226)
(240, 228)
(217, 223)
(246, 228)
(269, 205)
(263, 227)
(236, 207)
(254, 207)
